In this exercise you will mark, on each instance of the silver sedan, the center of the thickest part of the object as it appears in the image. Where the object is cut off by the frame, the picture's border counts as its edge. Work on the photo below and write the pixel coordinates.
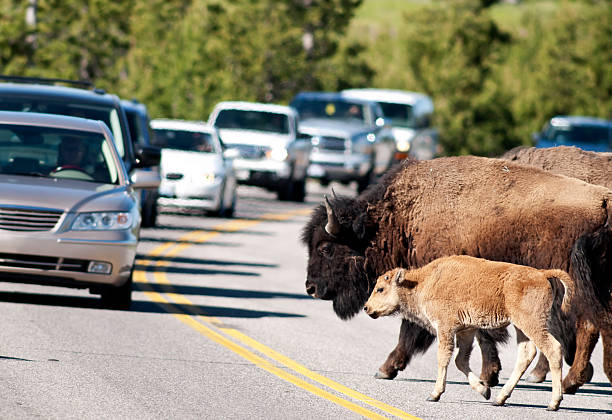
(68, 212)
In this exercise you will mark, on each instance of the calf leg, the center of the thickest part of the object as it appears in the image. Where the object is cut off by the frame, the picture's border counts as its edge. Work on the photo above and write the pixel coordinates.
(462, 360)
(412, 339)
(445, 352)
(581, 370)
(551, 348)
(538, 374)
(526, 351)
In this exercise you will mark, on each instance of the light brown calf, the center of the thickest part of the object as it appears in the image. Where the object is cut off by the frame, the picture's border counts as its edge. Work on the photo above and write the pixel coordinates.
(455, 296)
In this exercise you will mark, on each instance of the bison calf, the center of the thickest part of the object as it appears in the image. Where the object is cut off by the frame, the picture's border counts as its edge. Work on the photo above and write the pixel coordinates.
(455, 296)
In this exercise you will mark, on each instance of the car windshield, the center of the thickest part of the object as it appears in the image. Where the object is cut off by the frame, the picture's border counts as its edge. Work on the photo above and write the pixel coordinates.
(56, 153)
(253, 120)
(578, 134)
(108, 115)
(333, 110)
(400, 114)
(191, 141)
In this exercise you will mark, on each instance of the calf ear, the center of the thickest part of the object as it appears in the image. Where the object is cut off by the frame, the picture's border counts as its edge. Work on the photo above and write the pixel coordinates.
(401, 280)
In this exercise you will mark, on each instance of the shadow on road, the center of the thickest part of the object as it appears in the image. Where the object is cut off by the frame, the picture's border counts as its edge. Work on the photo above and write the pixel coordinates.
(139, 306)
(193, 271)
(189, 260)
(218, 292)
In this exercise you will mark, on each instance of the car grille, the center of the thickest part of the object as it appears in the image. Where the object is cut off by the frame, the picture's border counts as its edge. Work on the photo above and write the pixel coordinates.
(42, 263)
(174, 176)
(332, 144)
(28, 219)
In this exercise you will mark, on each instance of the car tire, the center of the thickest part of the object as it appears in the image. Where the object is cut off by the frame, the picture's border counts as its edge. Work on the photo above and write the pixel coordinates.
(149, 211)
(229, 211)
(119, 298)
(299, 191)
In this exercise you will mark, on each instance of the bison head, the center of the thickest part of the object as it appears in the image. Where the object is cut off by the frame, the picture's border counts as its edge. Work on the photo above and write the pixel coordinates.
(336, 237)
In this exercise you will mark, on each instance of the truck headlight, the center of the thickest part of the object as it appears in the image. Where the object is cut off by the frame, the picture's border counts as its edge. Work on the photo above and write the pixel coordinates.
(103, 221)
(403, 145)
(278, 154)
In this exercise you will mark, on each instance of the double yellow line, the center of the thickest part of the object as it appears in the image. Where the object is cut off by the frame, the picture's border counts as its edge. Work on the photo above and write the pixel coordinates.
(213, 329)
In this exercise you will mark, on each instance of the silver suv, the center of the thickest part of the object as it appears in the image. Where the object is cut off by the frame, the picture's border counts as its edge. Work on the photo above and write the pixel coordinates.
(269, 153)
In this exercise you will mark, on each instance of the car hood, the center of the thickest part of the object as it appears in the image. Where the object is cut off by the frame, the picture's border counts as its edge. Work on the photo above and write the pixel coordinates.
(63, 194)
(254, 138)
(591, 147)
(182, 161)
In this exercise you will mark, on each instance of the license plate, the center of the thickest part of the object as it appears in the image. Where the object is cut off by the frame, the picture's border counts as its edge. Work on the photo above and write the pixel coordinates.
(316, 171)
(242, 174)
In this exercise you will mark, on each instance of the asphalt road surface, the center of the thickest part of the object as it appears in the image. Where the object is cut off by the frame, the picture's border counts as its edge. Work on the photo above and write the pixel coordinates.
(221, 328)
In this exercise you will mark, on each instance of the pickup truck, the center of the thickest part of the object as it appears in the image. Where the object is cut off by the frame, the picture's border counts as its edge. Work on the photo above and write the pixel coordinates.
(269, 152)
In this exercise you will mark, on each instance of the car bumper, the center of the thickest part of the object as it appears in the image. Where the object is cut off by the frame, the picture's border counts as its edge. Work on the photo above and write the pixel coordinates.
(66, 259)
(187, 194)
(338, 167)
(263, 173)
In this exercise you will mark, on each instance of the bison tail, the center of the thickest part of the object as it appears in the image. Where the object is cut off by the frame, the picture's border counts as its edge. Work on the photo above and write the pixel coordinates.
(562, 320)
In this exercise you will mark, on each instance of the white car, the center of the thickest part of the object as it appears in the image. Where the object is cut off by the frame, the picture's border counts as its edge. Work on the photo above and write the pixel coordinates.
(195, 173)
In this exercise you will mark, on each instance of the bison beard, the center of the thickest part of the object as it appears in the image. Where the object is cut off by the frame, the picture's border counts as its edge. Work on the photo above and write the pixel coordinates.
(482, 207)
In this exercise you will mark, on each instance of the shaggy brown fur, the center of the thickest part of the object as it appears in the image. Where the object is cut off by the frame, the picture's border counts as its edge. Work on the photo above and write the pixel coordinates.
(453, 296)
(594, 168)
(487, 208)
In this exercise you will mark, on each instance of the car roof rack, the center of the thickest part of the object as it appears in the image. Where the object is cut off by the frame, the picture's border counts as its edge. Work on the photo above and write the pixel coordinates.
(47, 81)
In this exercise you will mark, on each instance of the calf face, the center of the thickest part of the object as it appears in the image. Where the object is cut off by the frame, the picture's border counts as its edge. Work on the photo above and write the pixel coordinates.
(385, 299)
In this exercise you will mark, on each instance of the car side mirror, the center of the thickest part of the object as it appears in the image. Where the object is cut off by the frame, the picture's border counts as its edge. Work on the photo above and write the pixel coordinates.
(143, 179)
(147, 156)
(231, 153)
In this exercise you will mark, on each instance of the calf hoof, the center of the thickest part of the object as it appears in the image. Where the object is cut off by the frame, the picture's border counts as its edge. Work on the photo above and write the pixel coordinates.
(498, 403)
(383, 375)
(431, 398)
(552, 407)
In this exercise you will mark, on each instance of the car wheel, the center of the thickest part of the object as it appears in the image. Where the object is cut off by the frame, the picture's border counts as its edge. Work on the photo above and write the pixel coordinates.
(299, 191)
(118, 297)
(286, 190)
(229, 211)
(149, 211)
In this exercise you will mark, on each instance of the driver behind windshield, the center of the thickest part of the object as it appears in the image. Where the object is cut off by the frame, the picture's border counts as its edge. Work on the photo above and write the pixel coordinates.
(71, 154)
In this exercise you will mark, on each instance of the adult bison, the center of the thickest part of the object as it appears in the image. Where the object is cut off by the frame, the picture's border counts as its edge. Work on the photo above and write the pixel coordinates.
(591, 167)
(489, 208)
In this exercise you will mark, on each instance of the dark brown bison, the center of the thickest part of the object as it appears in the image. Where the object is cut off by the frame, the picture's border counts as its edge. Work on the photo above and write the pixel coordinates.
(591, 167)
(488, 208)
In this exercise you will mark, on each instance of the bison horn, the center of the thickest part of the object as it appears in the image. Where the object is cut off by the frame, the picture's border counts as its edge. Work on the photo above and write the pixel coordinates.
(332, 227)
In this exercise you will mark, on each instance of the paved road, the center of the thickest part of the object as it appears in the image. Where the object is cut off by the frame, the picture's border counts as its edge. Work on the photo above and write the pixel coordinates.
(221, 328)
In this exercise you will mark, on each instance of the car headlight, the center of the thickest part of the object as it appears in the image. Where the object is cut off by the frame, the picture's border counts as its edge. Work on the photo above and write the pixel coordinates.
(403, 145)
(103, 221)
(209, 177)
(278, 154)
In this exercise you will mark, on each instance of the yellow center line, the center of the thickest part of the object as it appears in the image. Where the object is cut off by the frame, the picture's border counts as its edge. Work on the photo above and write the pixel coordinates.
(173, 249)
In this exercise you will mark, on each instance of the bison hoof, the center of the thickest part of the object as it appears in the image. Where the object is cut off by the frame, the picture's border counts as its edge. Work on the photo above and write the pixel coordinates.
(486, 393)
(382, 375)
(589, 372)
(536, 377)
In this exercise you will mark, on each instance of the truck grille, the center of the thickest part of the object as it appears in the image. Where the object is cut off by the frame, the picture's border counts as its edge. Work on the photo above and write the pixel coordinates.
(28, 219)
(332, 144)
(250, 152)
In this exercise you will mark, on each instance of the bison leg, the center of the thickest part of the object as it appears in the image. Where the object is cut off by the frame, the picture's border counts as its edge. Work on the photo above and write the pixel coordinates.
(412, 339)
(606, 339)
(446, 345)
(465, 340)
(491, 365)
(581, 370)
(538, 374)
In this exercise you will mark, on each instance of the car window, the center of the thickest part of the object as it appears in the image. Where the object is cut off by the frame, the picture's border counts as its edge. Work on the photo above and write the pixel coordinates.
(577, 134)
(56, 153)
(401, 115)
(253, 120)
(108, 115)
(192, 141)
(334, 110)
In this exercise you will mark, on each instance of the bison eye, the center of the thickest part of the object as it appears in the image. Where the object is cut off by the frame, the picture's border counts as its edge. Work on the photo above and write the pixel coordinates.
(325, 249)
